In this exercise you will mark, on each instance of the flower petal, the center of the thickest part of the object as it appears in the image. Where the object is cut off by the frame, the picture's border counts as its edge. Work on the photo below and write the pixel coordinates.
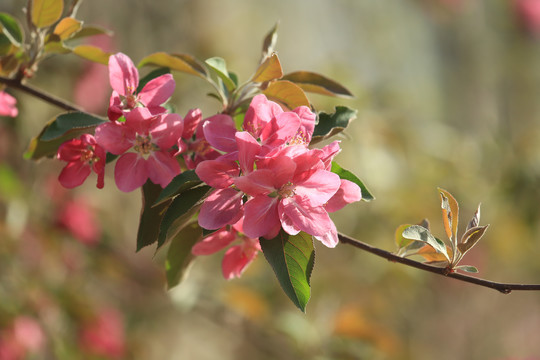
(314, 220)
(260, 112)
(219, 131)
(123, 74)
(114, 138)
(157, 91)
(222, 207)
(74, 174)
(167, 130)
(261, 217)
(214, 242)
(216, 173)
(319, 186)
(330, 239)
(130, 172)
(162, 167)
(348, 193)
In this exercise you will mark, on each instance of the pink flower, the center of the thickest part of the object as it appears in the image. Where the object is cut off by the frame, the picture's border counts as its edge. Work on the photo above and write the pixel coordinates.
(82, 155)
(124, 79)
(8, 105)
(528, 12)
(282, 196)
(79, 219)
(104, 335)
(24, 337)
(150, 138)
(236, 258)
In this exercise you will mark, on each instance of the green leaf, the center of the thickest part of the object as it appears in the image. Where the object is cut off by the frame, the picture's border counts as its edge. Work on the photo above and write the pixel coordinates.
(57, 47)
(467, 268)
(219, 67)
(64, 127)
(330, 124)
(182, 182)
(180, 211)
(150, 220)
(347, 175)
(92, 53)
(292, 259)
(11, 28)
(179, 256)
(286, 93)
(69, 121)
(179, 62)
(5, 48)
(420, 233)
(151, 76)
(316, 83)
(46, 12)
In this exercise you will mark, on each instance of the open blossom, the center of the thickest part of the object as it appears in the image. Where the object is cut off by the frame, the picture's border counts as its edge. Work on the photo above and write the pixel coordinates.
(144, 143)
(83, 155)
(8, 105)
(237, 257)
(269, 178)
(124, 79)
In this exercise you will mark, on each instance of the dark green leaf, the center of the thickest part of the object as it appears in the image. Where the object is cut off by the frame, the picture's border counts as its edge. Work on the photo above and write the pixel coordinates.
(181, 182)
(59, 130)
(11, 28)
(420, 233)
(150, 220)
(68, 122)
(219, 67)
(347, 175)
(151, 76)
(330, 124)
(292, 259)
(180, 211)
(179, 256)
(316, 83)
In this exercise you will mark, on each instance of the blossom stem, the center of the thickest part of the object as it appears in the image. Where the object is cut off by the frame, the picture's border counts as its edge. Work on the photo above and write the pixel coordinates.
(505, 288)
(17, 84)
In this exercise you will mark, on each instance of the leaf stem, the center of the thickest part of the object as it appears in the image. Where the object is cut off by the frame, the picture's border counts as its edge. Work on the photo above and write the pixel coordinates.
(504, 288)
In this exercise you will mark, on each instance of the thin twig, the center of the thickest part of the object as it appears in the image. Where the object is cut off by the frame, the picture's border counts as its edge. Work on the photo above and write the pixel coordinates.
(502, 287)
(17, 84)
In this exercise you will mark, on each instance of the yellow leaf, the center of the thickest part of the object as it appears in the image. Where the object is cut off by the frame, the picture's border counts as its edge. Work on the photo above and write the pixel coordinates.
(92, 53)
(270, 69)
(46, 12)
(430, 254)
(450, 218)
(179, 62)
(67, 27)
(286, 93)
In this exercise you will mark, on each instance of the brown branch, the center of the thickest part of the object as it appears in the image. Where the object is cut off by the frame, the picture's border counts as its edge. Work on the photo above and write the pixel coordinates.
(17, 84)
(502, 287)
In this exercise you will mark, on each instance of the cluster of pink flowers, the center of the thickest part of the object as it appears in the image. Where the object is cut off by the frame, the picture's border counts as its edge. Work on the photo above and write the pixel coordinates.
(265, 176)
(8, 105)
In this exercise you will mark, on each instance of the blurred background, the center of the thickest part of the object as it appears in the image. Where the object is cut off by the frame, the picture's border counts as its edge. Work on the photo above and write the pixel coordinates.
(447, 95)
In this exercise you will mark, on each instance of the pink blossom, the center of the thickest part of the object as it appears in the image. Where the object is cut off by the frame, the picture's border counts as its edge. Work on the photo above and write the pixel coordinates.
(528, 12)
(79, 219)
(150, 138)
(124, 79)
(104, 335)
(82, 155)
(8, 105)
(24, 337)
(237, 257)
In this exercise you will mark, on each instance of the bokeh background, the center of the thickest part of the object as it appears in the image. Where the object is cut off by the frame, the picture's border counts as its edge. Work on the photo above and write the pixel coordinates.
(447, 93)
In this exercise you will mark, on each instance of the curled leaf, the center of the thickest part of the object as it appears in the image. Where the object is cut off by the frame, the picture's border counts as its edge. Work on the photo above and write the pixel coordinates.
(475, 219)
(450, 209)
(471, 237)
(286, 93)
(269, 43)
(269, 70)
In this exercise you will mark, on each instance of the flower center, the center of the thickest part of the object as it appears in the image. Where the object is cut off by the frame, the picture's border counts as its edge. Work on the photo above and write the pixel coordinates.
(129, 102)
(286, 190)
(143, 145)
